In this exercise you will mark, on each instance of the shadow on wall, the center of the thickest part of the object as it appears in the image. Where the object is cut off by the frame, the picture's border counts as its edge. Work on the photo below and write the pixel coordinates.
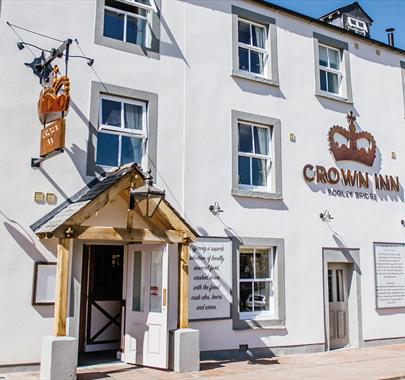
(259, 88)
(336, 105)
(258, 203)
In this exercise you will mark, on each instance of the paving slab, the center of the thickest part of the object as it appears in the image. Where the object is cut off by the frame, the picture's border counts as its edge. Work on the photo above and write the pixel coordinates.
(372, 363)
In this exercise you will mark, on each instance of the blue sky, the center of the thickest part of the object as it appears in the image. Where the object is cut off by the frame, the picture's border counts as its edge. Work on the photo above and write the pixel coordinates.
(385, 13)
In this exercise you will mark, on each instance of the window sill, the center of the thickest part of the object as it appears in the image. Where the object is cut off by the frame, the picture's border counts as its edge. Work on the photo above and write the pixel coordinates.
(254, 78)
(128, 47)
(256, 194)
(255, 324)
(333, 97)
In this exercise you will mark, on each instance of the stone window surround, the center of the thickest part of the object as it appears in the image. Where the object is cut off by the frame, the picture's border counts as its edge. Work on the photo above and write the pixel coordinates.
(277, 322)
(347, 83)
(100, 39)
(402, 65)
(272, 63)
(97, 90)
(276, 176)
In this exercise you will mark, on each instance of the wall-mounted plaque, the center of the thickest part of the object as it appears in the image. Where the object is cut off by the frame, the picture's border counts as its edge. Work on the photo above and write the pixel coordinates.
(210, 271)
(389, 274)
(43, 292)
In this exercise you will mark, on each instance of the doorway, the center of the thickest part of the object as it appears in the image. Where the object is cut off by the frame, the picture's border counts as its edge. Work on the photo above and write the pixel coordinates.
(146, 332)
(338, 305)
(342, 298)
(101, 299)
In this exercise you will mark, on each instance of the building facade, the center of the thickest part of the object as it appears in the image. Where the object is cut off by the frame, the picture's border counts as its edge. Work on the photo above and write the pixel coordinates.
(289, 127)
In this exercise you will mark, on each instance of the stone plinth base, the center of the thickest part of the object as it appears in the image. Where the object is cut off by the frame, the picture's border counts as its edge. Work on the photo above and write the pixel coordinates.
(186, 350)
(58, 358)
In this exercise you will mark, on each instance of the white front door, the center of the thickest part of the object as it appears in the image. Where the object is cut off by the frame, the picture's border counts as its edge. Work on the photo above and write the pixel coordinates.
(338, 311)
(146, 334)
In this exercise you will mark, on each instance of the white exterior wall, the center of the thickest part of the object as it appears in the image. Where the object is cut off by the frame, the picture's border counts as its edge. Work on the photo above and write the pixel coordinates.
(196, 95)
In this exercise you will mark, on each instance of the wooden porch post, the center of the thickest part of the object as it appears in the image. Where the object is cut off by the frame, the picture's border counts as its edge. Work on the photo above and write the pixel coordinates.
(62, 275)
(183, 284)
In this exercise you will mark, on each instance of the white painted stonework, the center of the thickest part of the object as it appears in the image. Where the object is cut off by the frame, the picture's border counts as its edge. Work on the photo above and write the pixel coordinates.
(196, 96)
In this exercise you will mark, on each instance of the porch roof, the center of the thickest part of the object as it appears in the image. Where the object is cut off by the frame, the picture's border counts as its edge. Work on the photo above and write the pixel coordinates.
(67, 218)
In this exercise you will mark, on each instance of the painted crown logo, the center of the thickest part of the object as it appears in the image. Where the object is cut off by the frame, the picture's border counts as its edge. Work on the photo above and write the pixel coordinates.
(350, 150)
(53, 103)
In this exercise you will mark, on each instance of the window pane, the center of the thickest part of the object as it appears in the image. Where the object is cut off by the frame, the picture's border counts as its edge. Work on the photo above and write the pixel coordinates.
(156, 265)
(261, 140)
(339, 286)
(245, 296)
(107, 149)
(246, 263)
(137, 282)
(323, 80)
(323, 56)
(243, 59)
(259, 172)
(333, 83)
(244, 170)
(262, 263)
(136, 30)
(330, 290)
(256, 62)
(334, 59)
(131, 150)
(259, 36)
(133, 116)
(110, 112)
(262, 296)
(244, 32)
(245, 138)
(113, 25)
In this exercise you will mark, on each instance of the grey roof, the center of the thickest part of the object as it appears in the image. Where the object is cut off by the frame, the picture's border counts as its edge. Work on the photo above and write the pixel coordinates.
(62, 213)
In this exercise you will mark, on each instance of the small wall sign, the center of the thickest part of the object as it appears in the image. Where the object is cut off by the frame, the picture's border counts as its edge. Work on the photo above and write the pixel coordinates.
(389, 260)
(43, 292)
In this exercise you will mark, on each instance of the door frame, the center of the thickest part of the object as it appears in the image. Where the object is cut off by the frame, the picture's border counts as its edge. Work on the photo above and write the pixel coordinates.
(350, 257)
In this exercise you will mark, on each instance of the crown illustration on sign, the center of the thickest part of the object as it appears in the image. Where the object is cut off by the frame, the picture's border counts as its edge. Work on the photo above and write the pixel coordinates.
(53, 103)
(350, 151)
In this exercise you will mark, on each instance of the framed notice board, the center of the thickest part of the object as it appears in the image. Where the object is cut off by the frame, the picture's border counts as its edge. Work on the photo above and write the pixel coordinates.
(43, 290)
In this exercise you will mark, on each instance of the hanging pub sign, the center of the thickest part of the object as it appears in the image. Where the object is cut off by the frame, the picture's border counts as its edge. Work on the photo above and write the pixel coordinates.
(349, 145)
(53, 106)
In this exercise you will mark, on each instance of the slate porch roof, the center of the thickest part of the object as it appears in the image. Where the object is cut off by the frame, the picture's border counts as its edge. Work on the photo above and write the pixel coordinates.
(58, 216)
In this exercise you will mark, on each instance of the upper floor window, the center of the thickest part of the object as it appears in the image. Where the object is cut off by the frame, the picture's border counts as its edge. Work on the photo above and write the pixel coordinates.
(122, 131)
(252, 47)
(330, 69)
(254, 161)
(357, 26)
(129, 20)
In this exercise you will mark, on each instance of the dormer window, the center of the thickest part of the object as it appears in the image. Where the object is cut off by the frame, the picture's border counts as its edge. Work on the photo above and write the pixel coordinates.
(357, 26)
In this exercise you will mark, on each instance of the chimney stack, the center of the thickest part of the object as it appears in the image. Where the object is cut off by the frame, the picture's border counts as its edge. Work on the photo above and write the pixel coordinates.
(390, 32)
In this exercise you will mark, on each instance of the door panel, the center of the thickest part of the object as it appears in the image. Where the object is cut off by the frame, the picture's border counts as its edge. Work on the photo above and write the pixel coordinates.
(104, 297)
(338, 309)
(146, 338)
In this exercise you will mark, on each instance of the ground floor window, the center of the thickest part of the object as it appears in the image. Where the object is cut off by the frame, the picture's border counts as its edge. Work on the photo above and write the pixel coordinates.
(256, 293)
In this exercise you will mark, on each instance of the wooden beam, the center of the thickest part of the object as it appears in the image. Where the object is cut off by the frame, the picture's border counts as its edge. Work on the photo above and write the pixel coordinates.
(62, 275)
(121, 234)
(183, 283)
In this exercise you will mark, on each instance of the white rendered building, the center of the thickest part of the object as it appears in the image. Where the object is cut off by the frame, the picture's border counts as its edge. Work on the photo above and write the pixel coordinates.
(234, 104)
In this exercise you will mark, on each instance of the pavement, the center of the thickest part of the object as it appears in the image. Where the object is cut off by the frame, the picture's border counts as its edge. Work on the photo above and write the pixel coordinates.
(374, 363)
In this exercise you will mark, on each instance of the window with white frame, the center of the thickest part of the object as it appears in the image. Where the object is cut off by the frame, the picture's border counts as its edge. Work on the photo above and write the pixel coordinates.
(256, 293)
(122, 133)
(252, 47)
(254, 160)
(330, 69)
(129, 20)
(357, 26)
